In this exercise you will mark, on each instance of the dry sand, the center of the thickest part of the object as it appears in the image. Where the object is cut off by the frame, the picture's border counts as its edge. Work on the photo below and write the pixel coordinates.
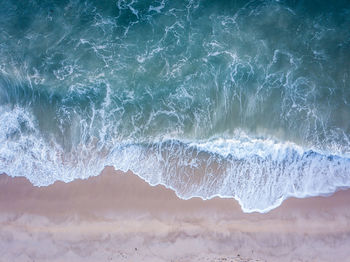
(118, 217)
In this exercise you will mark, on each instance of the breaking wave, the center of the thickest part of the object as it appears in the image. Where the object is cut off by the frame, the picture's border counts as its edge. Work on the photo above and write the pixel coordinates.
(245, 100)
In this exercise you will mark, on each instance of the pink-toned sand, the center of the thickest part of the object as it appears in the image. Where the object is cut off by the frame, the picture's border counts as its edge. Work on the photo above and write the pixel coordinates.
(118, 217)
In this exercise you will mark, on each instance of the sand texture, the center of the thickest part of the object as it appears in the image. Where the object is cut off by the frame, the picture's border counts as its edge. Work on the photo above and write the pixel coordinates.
(118, 217)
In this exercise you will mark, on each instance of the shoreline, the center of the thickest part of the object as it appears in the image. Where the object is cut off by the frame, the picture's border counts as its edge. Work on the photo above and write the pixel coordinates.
(117, 216)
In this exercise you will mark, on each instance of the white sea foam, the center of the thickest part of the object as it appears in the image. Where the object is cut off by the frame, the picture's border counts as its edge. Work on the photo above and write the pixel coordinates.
(260, 177)
(259, 173)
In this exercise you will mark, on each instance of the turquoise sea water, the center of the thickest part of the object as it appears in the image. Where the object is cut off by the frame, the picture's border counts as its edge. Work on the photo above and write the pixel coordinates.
(241, 99)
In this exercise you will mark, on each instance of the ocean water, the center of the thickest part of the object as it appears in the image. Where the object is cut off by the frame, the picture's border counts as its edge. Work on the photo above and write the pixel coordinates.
(239, 99)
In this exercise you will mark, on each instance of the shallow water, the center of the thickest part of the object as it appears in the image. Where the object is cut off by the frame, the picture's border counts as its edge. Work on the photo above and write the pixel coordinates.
(231, 98)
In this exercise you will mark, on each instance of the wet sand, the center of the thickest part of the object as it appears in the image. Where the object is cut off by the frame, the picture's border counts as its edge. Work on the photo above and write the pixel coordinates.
(118, 217)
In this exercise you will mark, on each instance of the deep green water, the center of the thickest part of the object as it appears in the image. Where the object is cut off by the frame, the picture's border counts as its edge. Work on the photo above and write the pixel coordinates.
(249, 100)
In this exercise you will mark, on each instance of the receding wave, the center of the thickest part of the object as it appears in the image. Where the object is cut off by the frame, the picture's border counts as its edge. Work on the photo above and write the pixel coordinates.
(245, 100)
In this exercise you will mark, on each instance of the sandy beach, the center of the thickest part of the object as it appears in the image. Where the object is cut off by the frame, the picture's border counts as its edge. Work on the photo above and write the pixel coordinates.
(243, 103)
(118, 217)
